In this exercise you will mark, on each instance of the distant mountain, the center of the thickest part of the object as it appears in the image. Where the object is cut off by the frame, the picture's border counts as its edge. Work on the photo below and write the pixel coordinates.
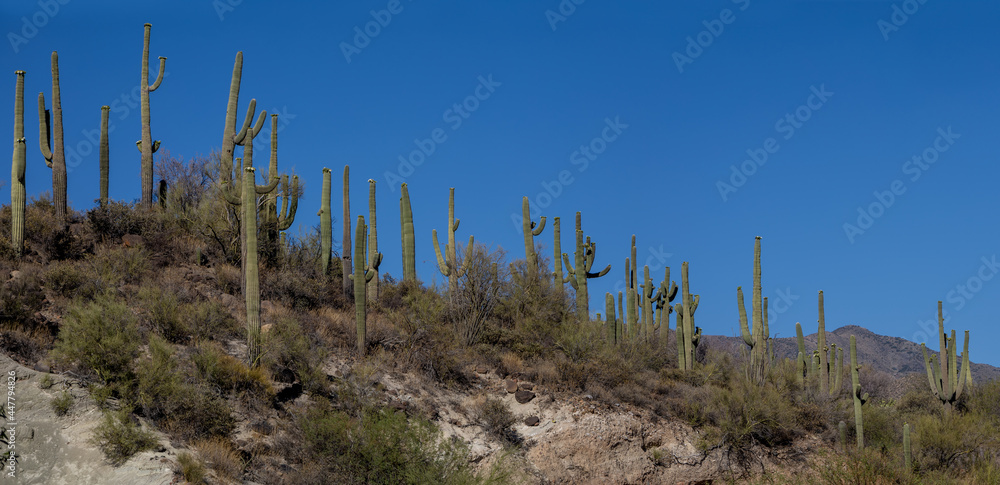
(897, 356)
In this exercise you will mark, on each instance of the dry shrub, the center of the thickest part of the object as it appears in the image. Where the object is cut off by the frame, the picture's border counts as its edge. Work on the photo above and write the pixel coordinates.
(219, 455)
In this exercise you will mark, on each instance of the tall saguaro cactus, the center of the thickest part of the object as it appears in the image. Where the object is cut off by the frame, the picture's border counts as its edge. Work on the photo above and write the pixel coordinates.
(824, 368)
(448, 261)
(52, 148)
(375, 257)
(859, 399)
(18, 163)
(325, 224)
(612, 321)
(251, 281)
(361, 276)
(757, 337)
(530, 230)
(278, 219)
(407, 236)
(944, 378)
(688, 335)
(147, 145)
(345, 250)
(579, 271)
(105, 160)
(557, 268)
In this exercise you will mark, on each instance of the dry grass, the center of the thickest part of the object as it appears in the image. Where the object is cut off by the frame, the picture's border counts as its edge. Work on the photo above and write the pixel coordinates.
(219, 455)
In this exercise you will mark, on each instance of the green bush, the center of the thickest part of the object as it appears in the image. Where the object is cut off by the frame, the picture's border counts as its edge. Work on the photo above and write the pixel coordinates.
(383, 446)
(288, 347)
(161, 312)
(62, 403)
(229, 374)
(183, 406)
(118, 437)
(101, 336)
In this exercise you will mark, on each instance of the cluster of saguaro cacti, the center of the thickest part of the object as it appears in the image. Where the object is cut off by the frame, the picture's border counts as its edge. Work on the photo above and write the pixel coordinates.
(859, 399)
(757, 338)
(825, 364)
(18, 162)
(688, 335)
(448, 261)
(325, 224)
(146, 145)
(579, 272)
(530, 230)
(276, 219)
(105, 156)
(361, 276)
(407, 236)
(52, 147)
(943, 376)
(374, 257)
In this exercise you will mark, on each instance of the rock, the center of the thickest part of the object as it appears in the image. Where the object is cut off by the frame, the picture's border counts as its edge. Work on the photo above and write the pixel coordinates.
(482, 369)
(263, 427)
(132, 240)
(531, 421)
(15, 274)
(264, 329)
(511, 386)
(42, 367)
(527, 386)
(523, 397)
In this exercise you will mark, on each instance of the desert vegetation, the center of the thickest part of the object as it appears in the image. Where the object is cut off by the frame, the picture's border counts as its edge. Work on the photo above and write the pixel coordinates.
(263, 353)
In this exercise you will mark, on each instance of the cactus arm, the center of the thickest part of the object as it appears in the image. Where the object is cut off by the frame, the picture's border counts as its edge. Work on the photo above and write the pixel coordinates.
(468, 255)
(265, 189)
(744, 328)
(44, 141)
(238, 138)
(292, 198)
(965, 365)
(537, 229)
(569, 267)
(442, 264)
(159, 76)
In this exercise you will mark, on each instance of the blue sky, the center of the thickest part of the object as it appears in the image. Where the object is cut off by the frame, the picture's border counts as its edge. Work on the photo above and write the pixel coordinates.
(839, 95)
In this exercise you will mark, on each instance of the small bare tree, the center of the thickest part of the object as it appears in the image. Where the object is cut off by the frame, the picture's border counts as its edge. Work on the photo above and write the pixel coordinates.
(485, 283)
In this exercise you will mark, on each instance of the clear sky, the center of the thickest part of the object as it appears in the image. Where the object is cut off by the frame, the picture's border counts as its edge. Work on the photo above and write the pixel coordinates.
(695, 125)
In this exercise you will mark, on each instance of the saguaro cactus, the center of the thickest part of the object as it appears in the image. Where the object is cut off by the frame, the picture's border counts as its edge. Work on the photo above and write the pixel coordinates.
(52, 148)
(530, 230)
(345, 250)
(688, 335)
(757, 337)
(146, 145)
(375, 257)
(448, 262)
(408, 238)
(275, 220)
(668, 291)
(859, 399)
(557, 270)
(800, 361)
(579, 272)
(325, 224)
(824, 370)
(105, 160)
(251, 281)
(611, 327)
(361, 276)
(907, 457)
(944, 377)
(648, 300)
(18, 162)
